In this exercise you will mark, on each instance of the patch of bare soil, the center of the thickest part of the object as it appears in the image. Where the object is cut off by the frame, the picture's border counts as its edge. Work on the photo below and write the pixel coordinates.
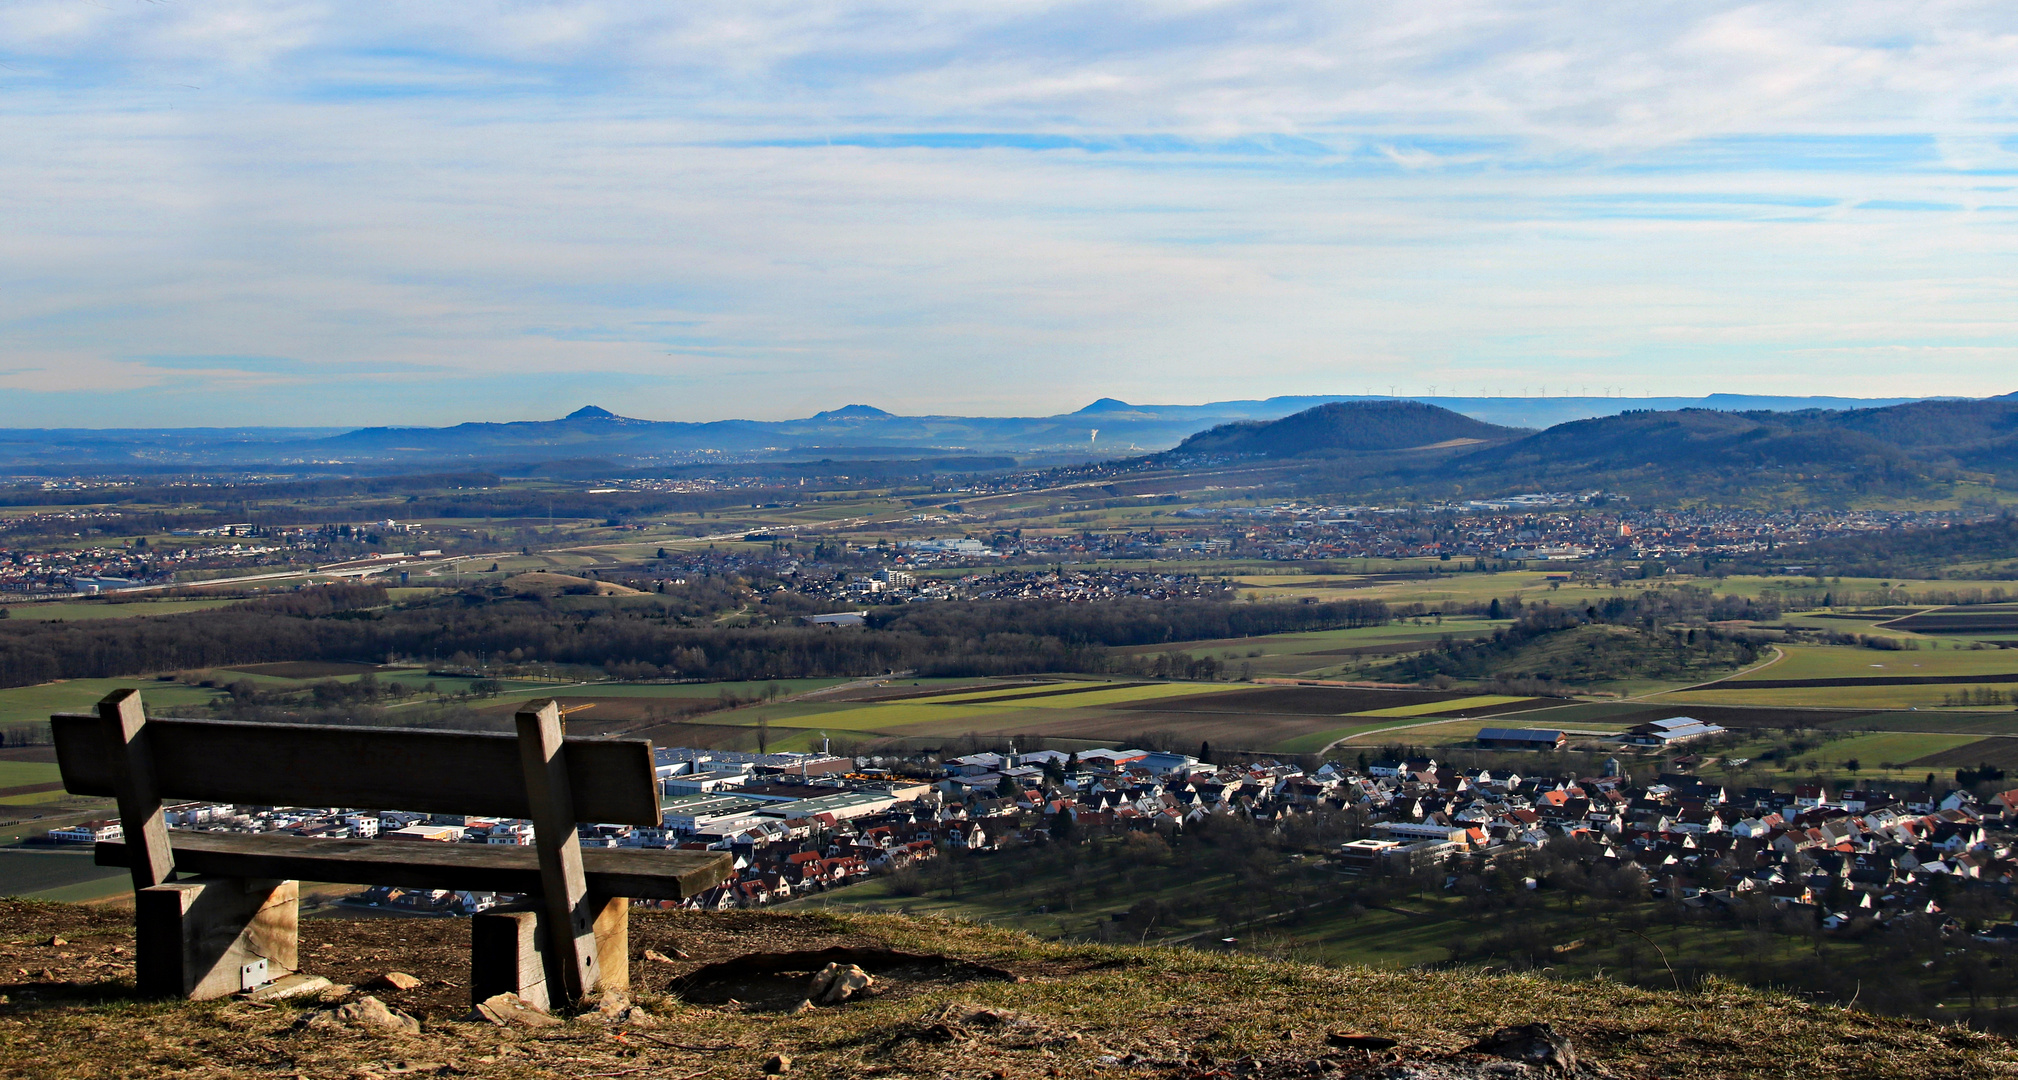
(778, 980)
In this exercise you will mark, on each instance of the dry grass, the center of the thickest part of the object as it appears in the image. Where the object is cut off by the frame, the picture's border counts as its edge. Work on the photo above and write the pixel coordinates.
(1071, 1011)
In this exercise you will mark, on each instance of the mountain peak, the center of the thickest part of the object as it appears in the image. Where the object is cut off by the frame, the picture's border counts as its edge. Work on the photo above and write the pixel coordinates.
(851, 412)
(1107, 405)
(592, 412)
(1347, 426)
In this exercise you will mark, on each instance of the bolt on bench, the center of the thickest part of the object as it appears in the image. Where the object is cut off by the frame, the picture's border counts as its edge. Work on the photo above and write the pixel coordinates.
(206, 935)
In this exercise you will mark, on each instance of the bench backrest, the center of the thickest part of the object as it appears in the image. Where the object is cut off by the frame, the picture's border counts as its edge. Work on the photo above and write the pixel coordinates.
(426, 771)
(539, 774)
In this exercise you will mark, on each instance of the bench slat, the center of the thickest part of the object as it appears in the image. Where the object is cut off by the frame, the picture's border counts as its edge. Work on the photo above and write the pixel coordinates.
(421, 864)
(426, 771)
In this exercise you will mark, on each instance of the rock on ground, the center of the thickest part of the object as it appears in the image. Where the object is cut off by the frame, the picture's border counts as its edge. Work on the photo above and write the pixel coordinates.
(366, 1014)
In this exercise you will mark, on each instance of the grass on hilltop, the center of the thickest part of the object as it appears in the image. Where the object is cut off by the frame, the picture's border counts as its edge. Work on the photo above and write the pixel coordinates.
(1069, 1010)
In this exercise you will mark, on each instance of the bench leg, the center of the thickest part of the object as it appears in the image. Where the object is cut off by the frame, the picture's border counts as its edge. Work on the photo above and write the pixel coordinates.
(613, 944)
(193, 937)
(509, 955)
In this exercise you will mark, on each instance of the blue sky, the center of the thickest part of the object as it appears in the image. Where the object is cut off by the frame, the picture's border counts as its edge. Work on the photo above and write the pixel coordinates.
(349, 213)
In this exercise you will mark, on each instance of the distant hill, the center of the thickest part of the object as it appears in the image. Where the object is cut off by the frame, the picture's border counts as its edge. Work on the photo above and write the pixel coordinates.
(1347, 426)
(1106, 429)
(1913, 448)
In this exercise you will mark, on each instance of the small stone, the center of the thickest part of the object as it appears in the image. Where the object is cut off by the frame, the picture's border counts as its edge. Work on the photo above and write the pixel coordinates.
(657, 957)
(777, 1064)
(56, 942)
(836, 984)
(804, 1006)
(366, 1014)
(395, 980)
(287, 986)
(506, 1010)
(1530, 1044)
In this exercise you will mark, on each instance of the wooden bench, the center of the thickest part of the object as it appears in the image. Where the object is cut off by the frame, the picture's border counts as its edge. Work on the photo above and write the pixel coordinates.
(234, 923)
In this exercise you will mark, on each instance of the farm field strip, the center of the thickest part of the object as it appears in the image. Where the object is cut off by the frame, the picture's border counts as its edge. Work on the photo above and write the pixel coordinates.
(1869, 750)
(2002, 753)
(1436, 707)
(19, 773)
(1867, 698)
(70, 611)
(1850, 662)
(19, 703)
(862, 718)
(1009, 693)
(1118, 696)
(843, 716)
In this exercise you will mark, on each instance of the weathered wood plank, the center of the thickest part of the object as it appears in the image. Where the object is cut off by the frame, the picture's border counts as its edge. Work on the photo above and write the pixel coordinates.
(435, 772)
(192, 936)
(563, 888)
(507, 956)
(124, 741)
(613, 943)
(648, 874)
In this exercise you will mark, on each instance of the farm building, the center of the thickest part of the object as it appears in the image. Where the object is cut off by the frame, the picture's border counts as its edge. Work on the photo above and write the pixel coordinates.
(1501, 738)
(1680, 729)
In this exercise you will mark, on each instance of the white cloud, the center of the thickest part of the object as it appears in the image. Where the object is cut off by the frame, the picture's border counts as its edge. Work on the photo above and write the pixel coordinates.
(1693, 196)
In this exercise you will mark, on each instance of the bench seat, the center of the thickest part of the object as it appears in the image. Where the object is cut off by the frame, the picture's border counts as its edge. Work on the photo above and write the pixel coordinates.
(641, 873)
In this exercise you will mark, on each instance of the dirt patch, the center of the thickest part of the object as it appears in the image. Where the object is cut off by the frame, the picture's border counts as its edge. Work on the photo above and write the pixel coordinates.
(777, 981)
(305, 669)
(718, 736)
(28, 753)
(30, 789)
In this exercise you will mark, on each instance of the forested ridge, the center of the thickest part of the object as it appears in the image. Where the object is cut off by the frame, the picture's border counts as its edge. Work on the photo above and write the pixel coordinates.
(641, 638)
(1661, 634)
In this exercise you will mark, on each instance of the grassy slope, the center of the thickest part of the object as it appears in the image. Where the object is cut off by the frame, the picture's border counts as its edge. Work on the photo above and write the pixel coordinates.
(1071, 1006)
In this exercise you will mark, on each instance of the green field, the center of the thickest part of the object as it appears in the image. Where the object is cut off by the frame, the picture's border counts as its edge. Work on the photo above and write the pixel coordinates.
(72, 610)
(1849, 662)
(18, 773)
(19, 703)
(1871, 752)
(893, 716)
(58, 875)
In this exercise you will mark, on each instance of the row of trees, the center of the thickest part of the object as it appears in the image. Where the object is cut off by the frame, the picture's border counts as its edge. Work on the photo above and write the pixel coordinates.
(644, 641)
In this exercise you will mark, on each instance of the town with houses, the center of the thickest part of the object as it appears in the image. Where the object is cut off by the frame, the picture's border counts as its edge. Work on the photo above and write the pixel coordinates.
(800, 823)
(1559, 529)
